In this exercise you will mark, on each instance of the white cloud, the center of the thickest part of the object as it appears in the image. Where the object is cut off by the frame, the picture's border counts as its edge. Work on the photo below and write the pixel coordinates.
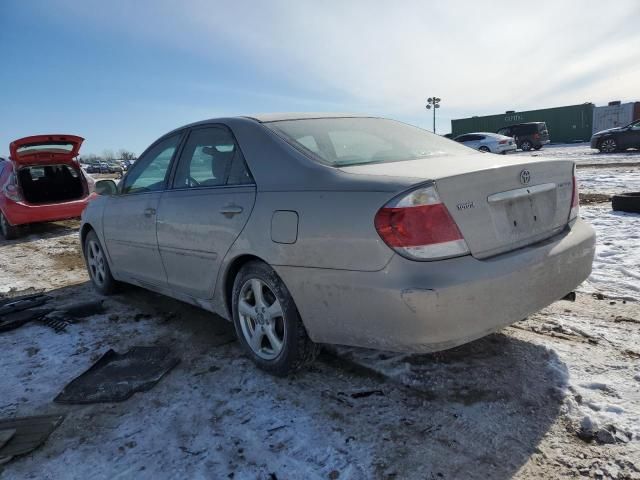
(480, 57)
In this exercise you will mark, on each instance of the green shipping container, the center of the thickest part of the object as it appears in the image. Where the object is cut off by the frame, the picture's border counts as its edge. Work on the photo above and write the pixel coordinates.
(566, 124)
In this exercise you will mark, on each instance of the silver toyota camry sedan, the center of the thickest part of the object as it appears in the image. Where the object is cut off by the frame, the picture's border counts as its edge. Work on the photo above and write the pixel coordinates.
(305, 229)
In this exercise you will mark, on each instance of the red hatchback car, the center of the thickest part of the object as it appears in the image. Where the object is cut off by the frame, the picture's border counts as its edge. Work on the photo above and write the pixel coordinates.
(42, 182)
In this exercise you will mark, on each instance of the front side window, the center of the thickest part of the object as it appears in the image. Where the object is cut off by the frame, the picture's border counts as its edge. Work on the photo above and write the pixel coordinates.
(356, 141)
(210, 157)
(150, 171)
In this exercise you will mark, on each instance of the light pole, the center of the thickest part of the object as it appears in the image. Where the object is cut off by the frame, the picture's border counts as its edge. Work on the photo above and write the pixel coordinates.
(435, 103)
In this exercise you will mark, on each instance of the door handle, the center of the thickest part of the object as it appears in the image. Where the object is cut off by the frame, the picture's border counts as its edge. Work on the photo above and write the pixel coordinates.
(231, 210)
(149, 212)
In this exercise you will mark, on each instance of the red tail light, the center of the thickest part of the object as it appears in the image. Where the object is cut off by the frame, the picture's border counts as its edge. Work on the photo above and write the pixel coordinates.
(536, 136)
(575, 198)
(503, 142)
(418, 226)
(12, 190)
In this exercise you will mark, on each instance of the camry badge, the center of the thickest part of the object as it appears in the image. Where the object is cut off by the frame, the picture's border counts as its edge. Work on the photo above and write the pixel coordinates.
(525, 177)
(465, 205)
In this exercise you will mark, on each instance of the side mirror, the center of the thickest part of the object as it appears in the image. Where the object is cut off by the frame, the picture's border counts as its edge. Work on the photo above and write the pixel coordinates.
(106, 187)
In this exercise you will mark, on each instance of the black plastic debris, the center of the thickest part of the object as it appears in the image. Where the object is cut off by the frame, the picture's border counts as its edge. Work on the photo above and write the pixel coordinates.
(115, 377)
(6, 435)
(18, 304)
(19, 318)
(25, 434)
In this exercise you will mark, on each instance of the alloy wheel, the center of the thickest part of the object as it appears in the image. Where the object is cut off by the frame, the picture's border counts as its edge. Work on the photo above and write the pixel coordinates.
(261, 319)
(96, 263)
(608, 145)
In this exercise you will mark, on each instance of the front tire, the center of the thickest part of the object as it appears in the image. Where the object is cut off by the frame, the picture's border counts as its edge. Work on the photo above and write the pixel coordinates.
(267, 321)
(9, 232)
(608, 145)
(97, 265)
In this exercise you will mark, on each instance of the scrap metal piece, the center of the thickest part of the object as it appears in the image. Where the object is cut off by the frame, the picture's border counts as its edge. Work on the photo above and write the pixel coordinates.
(28, 434)
(115, 377)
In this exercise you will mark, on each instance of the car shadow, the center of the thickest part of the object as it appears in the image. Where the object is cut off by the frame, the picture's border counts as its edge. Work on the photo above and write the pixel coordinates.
(476, 411)
(484, 406)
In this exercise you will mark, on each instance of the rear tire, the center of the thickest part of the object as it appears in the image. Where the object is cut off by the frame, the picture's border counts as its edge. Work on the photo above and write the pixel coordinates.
(484, 148)
(8, 231)
(526, 145)
(97, 265)
(608, 145)
(267, 322)
(538, 147)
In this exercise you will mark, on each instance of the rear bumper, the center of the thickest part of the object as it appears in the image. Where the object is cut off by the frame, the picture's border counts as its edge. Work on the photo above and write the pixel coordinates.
(430, 306)
(24, 213)
(506, 148)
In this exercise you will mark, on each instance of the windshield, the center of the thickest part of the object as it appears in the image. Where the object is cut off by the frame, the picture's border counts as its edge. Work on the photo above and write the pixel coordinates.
(355, 141)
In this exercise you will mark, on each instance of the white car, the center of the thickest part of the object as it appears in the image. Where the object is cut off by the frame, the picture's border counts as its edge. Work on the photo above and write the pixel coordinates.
(488, 142)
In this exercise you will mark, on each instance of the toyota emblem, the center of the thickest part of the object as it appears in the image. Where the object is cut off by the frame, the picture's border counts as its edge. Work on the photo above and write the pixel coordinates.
(525, 177)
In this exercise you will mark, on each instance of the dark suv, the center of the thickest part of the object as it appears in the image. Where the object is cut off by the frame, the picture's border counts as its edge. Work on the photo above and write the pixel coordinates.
(527, 135)
(617, 139)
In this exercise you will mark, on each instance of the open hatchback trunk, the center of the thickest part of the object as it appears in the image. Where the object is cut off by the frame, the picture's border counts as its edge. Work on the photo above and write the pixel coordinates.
(46, 169)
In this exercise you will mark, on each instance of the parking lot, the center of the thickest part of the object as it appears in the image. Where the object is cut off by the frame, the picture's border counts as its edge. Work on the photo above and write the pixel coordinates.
(555, 394)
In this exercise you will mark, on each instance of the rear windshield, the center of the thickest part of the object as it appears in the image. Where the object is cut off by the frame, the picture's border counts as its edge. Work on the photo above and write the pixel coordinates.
(355, 141)
(62, 147)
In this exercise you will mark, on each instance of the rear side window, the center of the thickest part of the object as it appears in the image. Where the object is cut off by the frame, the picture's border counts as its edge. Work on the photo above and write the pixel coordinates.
(210, 158)
(526, 129)
(355, 141)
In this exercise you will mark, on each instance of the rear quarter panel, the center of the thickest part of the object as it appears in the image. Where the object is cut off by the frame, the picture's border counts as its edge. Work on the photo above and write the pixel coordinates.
(335, 230)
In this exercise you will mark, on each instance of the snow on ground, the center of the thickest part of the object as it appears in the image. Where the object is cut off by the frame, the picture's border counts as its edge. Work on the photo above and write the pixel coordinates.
(608, 180)
(616, 268)
(582, 153)
(526, 402)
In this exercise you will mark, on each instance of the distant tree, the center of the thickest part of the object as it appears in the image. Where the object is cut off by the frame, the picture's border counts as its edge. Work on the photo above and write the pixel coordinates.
(124, 154)
(89, 158)
(108, 155)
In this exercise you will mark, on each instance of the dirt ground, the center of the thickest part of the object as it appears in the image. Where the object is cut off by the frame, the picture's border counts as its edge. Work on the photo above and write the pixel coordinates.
(555, 395)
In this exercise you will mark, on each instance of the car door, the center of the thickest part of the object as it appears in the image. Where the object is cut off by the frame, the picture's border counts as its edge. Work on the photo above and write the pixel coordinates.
(129, 218)
(473, 141)
(631, 138)
(211, 197)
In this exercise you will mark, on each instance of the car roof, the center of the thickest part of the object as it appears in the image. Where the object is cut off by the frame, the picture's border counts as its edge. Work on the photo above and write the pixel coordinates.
(279, 117)
(477, 133)
(266, 118)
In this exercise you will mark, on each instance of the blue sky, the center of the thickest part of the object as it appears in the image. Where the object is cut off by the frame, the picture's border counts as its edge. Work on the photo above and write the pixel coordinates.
(122, 73)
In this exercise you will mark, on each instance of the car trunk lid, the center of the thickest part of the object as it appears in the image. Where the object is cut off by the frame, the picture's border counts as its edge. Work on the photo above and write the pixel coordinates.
(45, 149)
(499, 204)
(499, 210)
